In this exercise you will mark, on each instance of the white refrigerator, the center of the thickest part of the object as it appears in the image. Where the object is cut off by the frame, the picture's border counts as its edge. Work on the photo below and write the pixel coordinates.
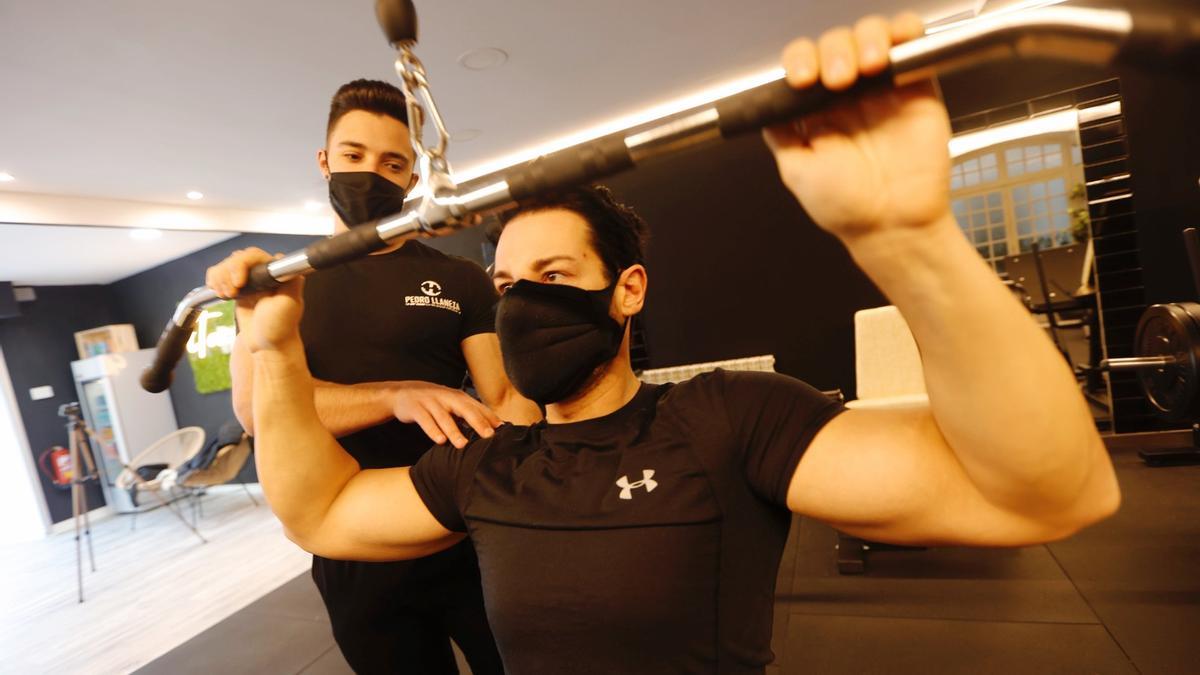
(124, 418)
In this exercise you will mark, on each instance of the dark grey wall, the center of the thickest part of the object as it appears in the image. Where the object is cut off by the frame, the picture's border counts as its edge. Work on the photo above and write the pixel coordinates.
(737, 268)
(148, 299)
(39, 346)
(1164, 153)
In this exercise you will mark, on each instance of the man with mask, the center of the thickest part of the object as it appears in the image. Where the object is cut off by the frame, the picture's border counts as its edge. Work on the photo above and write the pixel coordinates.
(389, 338)
(639, 528)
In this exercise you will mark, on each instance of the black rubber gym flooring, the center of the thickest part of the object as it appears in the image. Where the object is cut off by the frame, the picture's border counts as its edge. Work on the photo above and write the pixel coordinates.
(1122, 597)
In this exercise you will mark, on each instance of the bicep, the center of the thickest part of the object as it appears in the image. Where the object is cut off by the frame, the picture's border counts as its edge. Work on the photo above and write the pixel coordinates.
(379, 516)
(889, 476)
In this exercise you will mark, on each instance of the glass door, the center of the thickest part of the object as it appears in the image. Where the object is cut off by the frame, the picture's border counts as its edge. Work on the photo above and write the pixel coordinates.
(103, 440)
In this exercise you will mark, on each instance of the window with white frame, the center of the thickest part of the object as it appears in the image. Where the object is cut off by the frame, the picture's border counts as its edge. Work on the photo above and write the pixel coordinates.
(1007, 196)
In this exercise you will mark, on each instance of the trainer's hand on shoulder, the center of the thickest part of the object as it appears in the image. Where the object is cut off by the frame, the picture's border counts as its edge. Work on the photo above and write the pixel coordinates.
(436, 410)
(271, 320)
(874, 162)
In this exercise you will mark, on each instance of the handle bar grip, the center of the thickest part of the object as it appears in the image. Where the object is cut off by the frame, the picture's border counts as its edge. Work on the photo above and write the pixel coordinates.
(776, 102)
(398, 19)
(353, 244)
(259, 279)
(572, 166)
(171, 346)
(750, 110)
(347, 246)
(1161, 40)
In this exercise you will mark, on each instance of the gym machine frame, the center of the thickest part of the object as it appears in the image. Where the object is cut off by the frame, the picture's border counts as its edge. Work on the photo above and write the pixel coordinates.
(1167, 344)
(1077, 34)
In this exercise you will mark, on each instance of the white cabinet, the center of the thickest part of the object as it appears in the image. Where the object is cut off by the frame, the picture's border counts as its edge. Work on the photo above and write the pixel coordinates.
(123, 417)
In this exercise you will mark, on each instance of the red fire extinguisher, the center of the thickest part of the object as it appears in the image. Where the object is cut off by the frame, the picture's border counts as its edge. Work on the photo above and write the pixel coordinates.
(55, 464)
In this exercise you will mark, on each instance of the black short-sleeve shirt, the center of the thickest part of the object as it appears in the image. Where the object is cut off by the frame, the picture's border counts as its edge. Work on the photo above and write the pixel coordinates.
(645, 541)
(397, 316)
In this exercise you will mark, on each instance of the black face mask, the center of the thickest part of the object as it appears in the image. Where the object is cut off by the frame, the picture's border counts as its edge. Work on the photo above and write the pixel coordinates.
(554, 336)
(362, 196)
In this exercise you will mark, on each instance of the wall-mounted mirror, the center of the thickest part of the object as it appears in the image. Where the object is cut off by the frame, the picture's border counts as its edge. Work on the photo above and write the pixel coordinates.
(1042, 190)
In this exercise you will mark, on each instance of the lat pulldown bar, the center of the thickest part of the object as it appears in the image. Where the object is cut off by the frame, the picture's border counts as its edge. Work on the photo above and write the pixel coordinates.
(1078, 34)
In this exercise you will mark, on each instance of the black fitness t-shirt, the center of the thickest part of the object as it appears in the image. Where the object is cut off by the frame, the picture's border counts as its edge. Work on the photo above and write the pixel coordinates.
(397, 316)
(645, 541)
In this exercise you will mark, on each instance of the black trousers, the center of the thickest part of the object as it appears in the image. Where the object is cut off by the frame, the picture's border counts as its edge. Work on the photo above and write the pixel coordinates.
(399, 617)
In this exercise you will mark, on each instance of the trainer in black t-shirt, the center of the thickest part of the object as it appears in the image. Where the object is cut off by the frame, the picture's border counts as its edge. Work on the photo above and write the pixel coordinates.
(397, 316)
(400, 316)
(644, 541)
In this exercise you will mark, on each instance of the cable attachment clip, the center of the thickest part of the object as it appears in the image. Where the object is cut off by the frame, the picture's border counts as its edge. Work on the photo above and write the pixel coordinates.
(415, 84)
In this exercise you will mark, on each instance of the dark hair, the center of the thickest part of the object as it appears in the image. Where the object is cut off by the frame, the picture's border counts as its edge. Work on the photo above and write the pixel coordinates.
(370, 95)
(619, 235)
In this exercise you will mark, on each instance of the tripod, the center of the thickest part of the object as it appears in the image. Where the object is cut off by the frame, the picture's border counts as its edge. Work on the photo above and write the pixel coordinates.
(80, 449)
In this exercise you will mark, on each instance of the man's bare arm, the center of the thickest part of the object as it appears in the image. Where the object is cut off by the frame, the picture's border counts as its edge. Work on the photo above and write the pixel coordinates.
(326, 503)
(346, 408)
(342, 408)
(1007, 451)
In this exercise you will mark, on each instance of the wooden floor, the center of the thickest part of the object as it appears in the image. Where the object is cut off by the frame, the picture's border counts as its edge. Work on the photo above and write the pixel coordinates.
(153, 589)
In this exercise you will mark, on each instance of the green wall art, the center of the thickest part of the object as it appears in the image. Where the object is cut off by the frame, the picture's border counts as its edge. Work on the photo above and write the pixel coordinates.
(209, 347)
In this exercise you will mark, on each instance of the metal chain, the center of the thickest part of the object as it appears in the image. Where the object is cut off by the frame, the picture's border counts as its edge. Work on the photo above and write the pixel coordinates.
(416, 90)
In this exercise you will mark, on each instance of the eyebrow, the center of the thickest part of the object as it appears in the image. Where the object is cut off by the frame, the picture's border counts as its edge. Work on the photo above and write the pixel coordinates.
(538, 265)
(386, 155)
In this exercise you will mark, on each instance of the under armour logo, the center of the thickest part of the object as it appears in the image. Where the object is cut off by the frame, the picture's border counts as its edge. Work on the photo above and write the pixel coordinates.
(431, 288)
(647, 482)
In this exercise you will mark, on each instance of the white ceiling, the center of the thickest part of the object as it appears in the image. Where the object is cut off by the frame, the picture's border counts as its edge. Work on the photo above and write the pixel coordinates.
(145, 100)
(79, 253)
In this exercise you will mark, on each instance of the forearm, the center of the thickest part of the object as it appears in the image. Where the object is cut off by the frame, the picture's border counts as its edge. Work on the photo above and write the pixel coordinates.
(300, 464)
(1002, 396)
(346, 408)
(342, 408)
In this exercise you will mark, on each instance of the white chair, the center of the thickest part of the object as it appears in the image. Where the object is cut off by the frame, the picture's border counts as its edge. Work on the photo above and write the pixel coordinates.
(225, 466)
(165, 454)
(887, 363)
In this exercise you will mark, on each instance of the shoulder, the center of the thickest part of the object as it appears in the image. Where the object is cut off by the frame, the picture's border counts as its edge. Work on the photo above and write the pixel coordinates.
(745, 390)
(419, 249)
(505, 436)
(469, 269)
(723, 382)
(456, 264)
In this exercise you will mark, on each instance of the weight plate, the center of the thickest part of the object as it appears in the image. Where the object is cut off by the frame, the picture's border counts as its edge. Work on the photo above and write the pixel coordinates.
(1171, 330)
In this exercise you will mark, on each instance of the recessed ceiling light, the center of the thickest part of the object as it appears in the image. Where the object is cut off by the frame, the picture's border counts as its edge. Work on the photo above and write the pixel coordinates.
(194, 195)
(483, 58)
(6, 177)
(145, 234)
(464, 135)
(313, 205)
